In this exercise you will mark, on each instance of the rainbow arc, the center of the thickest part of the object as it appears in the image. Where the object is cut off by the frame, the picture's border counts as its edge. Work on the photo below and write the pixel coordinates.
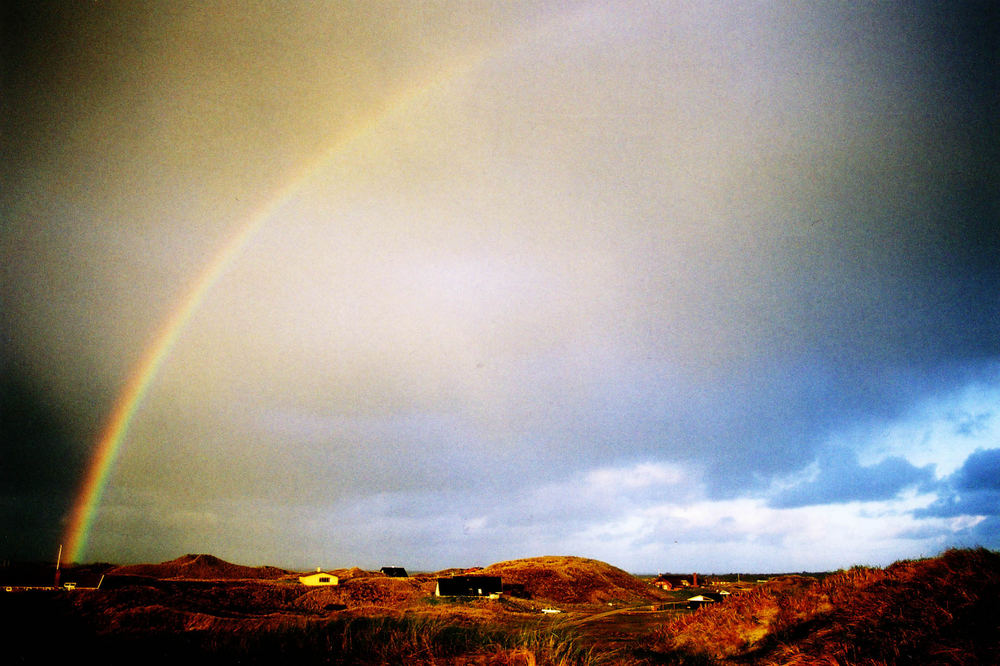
(112, 437)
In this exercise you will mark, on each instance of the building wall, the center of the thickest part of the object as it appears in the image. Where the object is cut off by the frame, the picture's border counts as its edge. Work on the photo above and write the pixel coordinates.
(318, 579)
(468, 586)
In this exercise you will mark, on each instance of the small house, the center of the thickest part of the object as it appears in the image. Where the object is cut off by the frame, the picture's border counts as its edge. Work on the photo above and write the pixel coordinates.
(699, 601)
(469, 586)
(319, 578)
(675, 582)
(394, 572)
(665, 582)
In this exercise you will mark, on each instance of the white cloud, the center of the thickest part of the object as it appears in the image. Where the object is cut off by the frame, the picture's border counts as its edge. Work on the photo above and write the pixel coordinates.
(713, 535)
(942, 430)
(642, 475)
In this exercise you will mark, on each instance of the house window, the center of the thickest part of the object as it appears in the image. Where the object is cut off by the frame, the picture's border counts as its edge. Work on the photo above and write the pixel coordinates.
(324, 579)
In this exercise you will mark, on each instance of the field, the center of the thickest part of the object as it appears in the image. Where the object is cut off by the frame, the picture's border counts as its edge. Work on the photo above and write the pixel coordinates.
(199, 609)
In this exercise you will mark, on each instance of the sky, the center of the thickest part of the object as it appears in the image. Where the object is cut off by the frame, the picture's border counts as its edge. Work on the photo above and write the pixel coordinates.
(676, 286)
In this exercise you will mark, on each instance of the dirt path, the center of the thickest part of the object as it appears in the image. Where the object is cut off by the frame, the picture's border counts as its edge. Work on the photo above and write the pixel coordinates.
(597, 616)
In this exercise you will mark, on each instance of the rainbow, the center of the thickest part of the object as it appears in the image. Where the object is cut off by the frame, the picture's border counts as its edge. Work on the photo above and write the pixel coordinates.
(112, 437)
(127, 404)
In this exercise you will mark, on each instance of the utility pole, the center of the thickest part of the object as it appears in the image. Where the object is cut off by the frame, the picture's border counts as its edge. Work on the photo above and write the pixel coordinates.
(58, 561)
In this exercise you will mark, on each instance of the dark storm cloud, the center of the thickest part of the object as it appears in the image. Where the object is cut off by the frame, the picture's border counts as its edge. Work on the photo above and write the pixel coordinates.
(973, 490)
(981, 471)
(841, 479)
(40, 467)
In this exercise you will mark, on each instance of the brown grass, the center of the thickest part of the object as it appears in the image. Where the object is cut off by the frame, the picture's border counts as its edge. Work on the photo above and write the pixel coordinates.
(200, 567)
(943, 610)
(574, 580)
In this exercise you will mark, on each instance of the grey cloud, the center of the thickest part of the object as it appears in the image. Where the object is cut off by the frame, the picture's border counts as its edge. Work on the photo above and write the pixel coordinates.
(973, 490)
(645, 232)
(972, 424)
(40, 466)
(981, 471)
(985, 533)
(841, 479)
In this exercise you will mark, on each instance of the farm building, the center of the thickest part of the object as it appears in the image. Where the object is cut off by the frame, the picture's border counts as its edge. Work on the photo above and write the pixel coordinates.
(394, 572)
(699, 601)
(675, 582)
(319, 578)
(716, 596)
(469, 586)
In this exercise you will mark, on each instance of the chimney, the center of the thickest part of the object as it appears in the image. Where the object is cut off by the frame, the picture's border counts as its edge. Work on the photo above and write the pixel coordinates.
(694, 580)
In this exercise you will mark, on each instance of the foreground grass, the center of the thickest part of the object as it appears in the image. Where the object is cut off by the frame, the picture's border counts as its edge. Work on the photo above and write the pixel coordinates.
(414, 640)
(411, 640)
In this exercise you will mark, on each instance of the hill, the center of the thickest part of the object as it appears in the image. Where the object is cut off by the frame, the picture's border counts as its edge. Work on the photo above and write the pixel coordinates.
(200, 567)
(942, 610)
(200, 609)
(573, 580)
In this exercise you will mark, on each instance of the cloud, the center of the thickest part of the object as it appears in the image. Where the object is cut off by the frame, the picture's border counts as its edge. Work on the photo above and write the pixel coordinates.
(565, 277)
(942, 427)
(40, 465)
(677, 525)
(981, 471)
(971, 425)
(985, 533)
(839, 479)
(972, 490)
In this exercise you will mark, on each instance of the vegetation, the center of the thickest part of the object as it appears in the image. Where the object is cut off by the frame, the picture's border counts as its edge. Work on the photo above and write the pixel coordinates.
(194, 567)
(943, 610)
(573, 580)
(344, 640)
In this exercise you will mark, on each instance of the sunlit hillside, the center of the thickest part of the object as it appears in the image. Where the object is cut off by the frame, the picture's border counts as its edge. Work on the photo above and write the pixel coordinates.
(944, 610)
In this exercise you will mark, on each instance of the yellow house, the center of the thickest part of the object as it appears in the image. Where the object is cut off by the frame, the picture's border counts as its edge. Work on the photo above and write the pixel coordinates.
(318, 578)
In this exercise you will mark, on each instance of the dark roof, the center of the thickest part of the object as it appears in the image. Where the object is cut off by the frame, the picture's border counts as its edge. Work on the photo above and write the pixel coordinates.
(394, 572)
(469, 586)
(674, 579)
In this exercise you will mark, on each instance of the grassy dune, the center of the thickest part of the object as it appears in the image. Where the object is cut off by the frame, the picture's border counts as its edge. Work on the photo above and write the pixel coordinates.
(943, 610)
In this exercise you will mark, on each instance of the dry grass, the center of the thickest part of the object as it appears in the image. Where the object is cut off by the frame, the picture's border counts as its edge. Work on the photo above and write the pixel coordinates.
(200, 567)
(943, 610)
(567, 579)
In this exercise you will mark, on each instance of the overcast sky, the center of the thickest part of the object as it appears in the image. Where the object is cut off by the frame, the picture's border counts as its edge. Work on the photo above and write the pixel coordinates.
(677, 286)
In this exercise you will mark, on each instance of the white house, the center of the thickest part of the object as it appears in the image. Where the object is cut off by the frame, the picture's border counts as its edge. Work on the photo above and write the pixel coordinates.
(319, 578)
